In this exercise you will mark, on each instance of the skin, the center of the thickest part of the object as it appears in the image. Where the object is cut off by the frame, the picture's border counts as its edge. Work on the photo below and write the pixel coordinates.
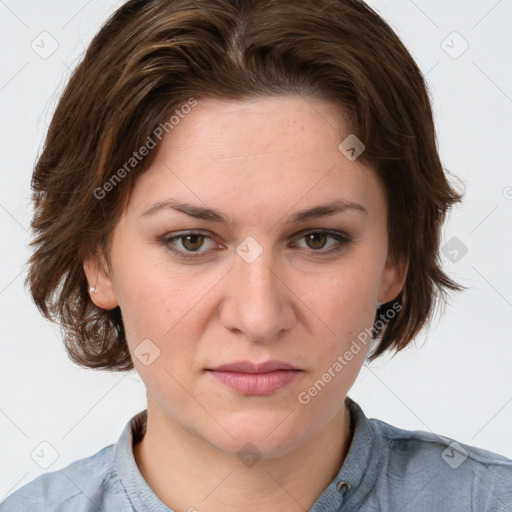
(258, 162)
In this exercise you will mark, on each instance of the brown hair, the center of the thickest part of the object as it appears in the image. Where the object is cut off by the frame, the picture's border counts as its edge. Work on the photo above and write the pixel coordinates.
(153, 56)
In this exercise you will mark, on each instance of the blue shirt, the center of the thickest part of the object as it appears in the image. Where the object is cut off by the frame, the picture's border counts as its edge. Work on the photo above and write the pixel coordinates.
(386, 469)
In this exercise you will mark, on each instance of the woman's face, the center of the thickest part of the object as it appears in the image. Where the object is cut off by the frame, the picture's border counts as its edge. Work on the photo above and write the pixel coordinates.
(258, 287)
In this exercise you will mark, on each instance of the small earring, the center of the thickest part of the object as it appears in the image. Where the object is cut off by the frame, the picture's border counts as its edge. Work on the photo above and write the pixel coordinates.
(93, 290)
(379, 304)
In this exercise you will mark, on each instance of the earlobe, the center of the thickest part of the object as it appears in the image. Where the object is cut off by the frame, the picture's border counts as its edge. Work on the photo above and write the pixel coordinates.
(393, 280)
(101, 289)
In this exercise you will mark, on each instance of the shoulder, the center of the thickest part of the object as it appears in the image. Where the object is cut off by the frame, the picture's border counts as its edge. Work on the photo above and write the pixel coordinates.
(82, 486)
(458, 473)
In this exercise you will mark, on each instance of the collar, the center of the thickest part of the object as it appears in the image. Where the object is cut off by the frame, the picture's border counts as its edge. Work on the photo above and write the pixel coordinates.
(141, 496)
(360, 468)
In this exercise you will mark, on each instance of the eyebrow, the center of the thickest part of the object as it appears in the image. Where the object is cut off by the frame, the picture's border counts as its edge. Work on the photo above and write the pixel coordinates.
(213, 215)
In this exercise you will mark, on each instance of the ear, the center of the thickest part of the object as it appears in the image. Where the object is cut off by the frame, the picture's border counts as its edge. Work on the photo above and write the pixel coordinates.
(99, 277)
(393, 280)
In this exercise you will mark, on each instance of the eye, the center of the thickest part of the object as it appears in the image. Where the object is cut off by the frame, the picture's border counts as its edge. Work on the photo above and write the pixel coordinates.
(316, 241)
(192, 242)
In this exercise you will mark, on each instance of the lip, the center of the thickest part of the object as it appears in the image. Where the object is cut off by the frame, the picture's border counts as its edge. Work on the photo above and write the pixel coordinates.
(250, 367)
(256, 379)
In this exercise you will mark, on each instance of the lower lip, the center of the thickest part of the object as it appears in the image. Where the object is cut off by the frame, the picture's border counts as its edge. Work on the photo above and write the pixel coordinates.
(256, 384)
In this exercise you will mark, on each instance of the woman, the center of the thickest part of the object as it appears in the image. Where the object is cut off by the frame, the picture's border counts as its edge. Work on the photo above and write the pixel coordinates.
(246, 205)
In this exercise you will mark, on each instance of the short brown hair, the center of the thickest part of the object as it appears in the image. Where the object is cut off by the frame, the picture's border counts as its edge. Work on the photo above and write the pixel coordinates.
(150, 58)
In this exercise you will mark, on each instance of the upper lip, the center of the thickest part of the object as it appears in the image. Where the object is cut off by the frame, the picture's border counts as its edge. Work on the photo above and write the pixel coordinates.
(250, 367)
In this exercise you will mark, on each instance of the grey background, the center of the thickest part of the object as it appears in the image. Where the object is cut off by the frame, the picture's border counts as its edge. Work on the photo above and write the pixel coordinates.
(458, 383)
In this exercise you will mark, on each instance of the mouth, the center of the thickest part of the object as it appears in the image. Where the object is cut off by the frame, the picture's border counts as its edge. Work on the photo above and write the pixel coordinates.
(256, 379)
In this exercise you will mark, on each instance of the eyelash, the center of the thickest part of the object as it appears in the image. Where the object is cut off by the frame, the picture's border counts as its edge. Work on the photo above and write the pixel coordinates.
(339, 236)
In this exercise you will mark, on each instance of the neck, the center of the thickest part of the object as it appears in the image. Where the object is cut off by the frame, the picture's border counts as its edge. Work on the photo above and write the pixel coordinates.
(187, 473)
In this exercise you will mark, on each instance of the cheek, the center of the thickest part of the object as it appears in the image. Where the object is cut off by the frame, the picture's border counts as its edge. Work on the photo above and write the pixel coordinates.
(347, 312)
(166, 305)
(142, 300)
(153, 294)
(345, 304)
(345, 300)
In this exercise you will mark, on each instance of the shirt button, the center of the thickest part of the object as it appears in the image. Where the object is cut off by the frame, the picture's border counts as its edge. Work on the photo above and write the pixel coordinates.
(343, 487)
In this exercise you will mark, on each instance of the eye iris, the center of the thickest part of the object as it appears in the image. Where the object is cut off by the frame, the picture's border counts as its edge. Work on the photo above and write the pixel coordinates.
(314, 238)
(196, 240)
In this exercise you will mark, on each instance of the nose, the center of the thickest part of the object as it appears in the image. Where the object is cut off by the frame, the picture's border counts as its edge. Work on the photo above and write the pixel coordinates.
(258, 302)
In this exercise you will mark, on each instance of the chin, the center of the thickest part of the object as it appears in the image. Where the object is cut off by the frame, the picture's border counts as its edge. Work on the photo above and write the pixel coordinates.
(269, 435)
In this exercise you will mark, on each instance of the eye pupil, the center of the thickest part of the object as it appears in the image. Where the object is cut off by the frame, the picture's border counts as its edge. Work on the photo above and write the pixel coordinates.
(314, 238)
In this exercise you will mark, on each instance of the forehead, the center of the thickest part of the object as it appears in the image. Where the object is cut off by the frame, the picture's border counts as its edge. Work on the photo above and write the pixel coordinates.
(260, 152)
(240, 129)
